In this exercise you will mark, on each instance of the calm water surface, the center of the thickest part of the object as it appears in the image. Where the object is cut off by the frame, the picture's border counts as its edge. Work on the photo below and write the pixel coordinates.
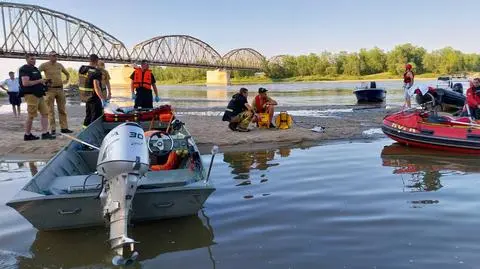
(345, 205)
(287, 94)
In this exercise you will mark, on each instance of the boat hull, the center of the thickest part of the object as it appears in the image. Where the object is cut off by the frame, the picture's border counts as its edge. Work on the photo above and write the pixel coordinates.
(370, 95)
(71, 211)
(411, 129)
(65, 193)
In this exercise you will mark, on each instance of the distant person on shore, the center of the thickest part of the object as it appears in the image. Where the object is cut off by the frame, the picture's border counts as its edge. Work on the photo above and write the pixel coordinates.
(408, 80)
(239, 113)
(53, 71)
(262, 103)
(473, 98)
(13, 91)
(106, 89)
(142, 83)
(32, 86)
(91, 81)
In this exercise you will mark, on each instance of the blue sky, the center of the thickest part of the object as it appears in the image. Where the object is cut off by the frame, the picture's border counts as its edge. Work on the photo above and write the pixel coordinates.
(286, 27)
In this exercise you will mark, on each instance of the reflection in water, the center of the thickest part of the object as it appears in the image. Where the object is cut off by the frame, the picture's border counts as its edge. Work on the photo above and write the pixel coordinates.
(33, 168)
(242, 162)
(17, 170)
(88, 248)
(426, 167)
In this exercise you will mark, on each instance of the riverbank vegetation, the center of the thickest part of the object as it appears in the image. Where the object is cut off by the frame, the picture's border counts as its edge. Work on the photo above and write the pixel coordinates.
(366, 64)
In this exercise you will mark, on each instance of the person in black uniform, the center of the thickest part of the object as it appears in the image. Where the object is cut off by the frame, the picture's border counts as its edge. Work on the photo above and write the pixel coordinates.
(32, 86)
(93, 83)
(239, 113)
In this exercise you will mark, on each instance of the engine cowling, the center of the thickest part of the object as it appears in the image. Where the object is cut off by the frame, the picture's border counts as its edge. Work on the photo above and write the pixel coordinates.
(123, 150)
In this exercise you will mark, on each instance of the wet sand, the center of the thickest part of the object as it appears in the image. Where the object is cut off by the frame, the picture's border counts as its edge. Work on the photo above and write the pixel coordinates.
(210, 130)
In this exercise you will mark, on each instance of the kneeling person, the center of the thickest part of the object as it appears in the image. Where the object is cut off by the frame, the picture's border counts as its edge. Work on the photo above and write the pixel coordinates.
(239, 113)
(264, 104)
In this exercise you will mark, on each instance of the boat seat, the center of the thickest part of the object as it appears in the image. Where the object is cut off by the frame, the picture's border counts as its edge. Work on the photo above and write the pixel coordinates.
(167, 178)
(152, 179)
(74, 184)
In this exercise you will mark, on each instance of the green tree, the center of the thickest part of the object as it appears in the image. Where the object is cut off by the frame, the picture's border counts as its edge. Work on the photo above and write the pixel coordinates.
(405, 53)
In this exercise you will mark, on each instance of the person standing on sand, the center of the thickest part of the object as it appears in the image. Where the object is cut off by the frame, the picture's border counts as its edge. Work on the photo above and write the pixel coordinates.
(106, 89)
(92, 79)
(239, 113)
(13, 91)
(142, 83)
(408, 80)
(33, 86)
(53, 71)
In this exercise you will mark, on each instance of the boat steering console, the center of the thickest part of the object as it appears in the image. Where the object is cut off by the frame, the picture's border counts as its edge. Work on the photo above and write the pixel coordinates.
(160, 144)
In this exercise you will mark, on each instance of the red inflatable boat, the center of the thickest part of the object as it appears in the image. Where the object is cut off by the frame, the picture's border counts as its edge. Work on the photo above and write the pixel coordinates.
(431, 130)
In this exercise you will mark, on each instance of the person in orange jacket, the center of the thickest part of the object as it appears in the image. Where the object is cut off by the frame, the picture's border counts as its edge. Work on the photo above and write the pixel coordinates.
(141, 87)
(473, 98)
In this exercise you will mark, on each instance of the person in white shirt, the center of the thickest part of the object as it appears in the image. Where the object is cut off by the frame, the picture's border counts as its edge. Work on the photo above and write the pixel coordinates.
(13, 90)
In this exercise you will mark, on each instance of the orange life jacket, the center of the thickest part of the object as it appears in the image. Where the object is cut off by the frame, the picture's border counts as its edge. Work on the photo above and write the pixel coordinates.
(171, 163)
(259, 103)
(142, 79)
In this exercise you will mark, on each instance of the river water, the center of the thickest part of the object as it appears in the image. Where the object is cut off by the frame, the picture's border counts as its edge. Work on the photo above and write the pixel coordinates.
(369, 204)
(340, 205)
(293, 95)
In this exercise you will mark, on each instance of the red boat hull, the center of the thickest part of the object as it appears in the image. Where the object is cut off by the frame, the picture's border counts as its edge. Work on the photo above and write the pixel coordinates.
(423, 129)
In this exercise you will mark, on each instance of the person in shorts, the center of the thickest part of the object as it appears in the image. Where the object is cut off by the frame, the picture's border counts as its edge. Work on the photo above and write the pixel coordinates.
(13, 91)
(33, 86)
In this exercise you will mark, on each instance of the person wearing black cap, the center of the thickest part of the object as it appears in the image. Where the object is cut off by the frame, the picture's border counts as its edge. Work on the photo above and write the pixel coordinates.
(239, 113)
(142, 83)
(32, 86)
(90, 80)
(262, 103)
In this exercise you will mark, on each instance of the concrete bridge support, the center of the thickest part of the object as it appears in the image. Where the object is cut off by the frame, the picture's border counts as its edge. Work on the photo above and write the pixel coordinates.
(120, 75)
(218, 77)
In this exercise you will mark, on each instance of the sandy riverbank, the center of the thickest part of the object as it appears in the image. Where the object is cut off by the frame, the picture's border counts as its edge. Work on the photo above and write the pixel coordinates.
(340, 122)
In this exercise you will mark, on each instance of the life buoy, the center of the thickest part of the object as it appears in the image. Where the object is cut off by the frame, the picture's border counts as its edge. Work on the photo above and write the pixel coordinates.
(171, 163)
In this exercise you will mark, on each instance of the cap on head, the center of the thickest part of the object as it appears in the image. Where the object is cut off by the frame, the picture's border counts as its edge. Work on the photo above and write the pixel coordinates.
(408, 66)
(52, 53)
(262, 90)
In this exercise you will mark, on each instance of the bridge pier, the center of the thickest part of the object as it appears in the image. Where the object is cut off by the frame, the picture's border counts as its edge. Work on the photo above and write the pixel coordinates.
(218, 77)
(120, 75)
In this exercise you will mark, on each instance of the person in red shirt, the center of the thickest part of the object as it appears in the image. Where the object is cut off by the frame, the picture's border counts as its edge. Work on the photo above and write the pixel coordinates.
(473, 98)
(408, 80)
(262, 103)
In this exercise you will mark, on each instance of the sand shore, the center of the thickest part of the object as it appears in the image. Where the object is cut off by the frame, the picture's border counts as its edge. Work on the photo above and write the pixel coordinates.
(339, 122)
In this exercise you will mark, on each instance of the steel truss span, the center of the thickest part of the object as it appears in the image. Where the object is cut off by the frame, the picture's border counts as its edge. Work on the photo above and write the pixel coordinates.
(177, 50)
(244, 58)
(38, 30)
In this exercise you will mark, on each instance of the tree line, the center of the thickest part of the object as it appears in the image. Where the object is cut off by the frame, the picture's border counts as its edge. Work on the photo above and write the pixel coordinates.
(374, 61)
(327, 64)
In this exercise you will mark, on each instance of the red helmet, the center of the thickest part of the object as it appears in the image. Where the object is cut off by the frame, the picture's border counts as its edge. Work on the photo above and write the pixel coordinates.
(408, 66)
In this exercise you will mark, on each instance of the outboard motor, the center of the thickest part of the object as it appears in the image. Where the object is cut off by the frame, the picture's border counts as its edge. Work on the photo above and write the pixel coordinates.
(122, 161)
(458, 87)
